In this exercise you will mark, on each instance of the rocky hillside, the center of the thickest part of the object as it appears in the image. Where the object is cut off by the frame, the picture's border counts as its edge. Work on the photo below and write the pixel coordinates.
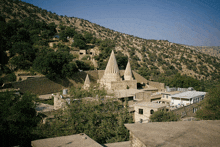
(210, 50)
(151, 58)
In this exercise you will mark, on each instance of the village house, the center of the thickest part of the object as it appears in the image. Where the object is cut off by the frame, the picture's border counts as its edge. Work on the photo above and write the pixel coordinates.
(172, 134)
(187, 98)
(166, 97)
(143, 111)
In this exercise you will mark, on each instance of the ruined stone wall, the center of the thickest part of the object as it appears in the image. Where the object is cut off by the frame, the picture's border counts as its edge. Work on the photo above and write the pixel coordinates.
(159, 86)
(59, 102)
(122, 85)
(118, 85)
(131, 84)
(144, 96)
(135, 142)
(186, 111)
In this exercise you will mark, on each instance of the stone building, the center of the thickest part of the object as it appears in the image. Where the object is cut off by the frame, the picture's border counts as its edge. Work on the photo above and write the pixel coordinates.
(112, 80)
(77, 140)
(172, 134)
(166, 97)
(143, 111)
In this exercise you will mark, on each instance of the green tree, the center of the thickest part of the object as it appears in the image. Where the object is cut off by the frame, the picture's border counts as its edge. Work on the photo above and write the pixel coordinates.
(103, 121)
(17, 119)
(210, 106)
(88, 37)
(79, 43)
(69, 69)
(162, 116)
(122, 60)
(3, 41)
(53, 64)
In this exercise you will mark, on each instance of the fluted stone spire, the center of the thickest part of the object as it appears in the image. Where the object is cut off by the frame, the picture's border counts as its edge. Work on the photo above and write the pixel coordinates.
(111, 73)
(128, 73)
(87, 82)
(112, 66)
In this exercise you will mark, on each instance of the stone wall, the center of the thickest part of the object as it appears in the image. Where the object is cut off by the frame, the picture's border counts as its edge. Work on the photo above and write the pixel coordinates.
(59, 102)
(143, 96)
(186, 111)
(135, 142)
(146, 113)
(121, 85)
(132, 84)
(159, 86)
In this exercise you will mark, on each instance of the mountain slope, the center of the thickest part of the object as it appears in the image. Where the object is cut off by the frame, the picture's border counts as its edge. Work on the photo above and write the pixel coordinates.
(151, 58)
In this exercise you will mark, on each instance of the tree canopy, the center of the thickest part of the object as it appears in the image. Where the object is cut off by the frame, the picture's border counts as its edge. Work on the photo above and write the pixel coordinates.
(162, 116)
(210, 106)
(17, 118)
(102, 121)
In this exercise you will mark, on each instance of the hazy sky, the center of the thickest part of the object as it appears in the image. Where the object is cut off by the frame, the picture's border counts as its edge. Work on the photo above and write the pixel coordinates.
(190, 22)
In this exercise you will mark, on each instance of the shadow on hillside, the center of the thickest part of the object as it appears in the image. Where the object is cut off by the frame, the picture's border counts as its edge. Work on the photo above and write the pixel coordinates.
(64, 82)
(80, 77)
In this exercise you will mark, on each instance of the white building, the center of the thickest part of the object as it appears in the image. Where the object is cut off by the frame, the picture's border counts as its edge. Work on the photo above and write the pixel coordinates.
(187, 98)
(166, 97)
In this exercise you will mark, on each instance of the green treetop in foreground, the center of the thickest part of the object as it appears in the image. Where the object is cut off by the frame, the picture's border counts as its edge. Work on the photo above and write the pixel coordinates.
(210, 106)
(103, 121)
(17, 119)
(162, 116)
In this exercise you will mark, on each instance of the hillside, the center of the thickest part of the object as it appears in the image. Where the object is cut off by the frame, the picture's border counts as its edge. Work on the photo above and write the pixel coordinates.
(153, 59)
(210, 50)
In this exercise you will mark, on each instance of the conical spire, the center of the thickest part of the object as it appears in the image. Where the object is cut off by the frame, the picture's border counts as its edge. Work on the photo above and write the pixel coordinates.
(128, 73)
(112, 66)
(87, 82)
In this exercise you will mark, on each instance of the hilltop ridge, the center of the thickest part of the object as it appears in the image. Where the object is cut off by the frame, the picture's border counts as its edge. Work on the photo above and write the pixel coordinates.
(150, 58)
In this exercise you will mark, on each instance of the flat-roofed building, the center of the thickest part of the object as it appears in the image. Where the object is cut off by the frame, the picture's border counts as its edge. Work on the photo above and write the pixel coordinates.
(187, 98)
(143, 111)
(172, 134)
(77, 140)
(166, 97)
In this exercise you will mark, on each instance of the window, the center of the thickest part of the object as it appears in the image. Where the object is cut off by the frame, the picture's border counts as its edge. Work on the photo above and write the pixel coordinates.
(140, 111)
(167, 96)
(151, 111)
(194, 110)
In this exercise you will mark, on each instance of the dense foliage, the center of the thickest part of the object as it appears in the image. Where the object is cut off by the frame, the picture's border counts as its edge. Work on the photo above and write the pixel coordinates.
(79, 92)
(162, 116)
(17, 118)
(103, 121)
(210, 106)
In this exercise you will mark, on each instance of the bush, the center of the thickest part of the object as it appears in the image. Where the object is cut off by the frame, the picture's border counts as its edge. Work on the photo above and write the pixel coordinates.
(210, 105)
(161, 116)
(17, 119)
(102, 121)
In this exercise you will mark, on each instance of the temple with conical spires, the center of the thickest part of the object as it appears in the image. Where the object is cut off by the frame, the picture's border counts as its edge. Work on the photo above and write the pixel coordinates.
(112, 80)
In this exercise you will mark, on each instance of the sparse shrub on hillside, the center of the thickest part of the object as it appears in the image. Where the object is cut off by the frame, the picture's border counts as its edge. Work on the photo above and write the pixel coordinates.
(79, 43)
(83, 65)
(86, 57)
(122, 60)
